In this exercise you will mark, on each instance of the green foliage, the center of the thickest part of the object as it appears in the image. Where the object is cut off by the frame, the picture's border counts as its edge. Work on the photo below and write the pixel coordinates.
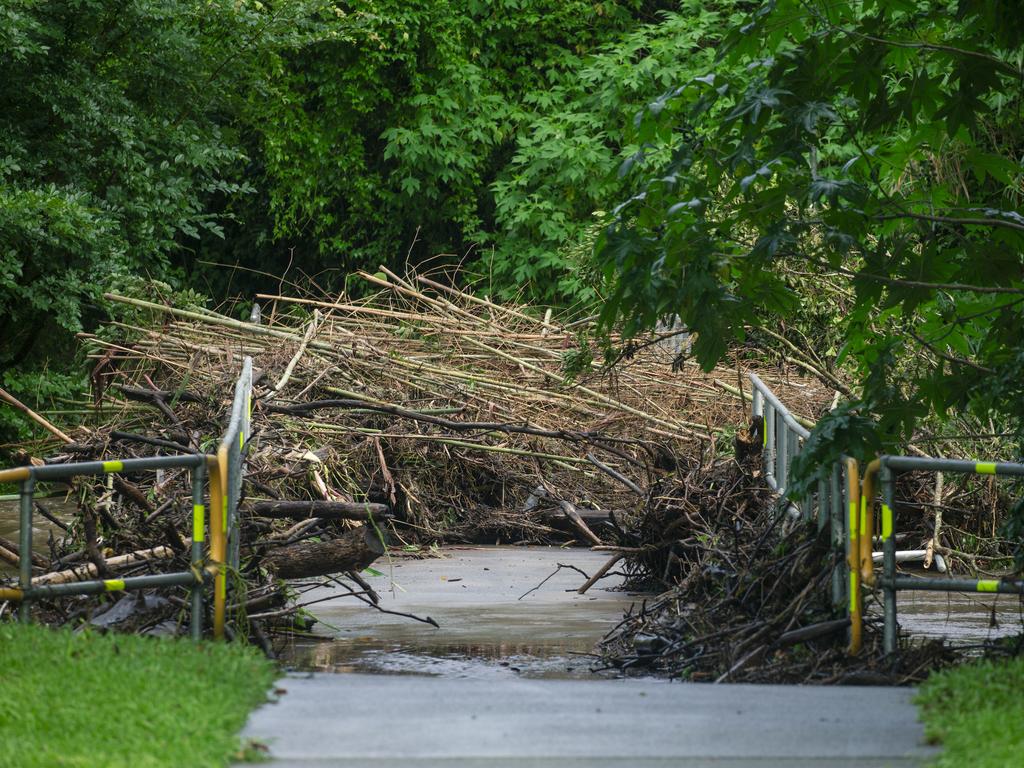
(877, 143)
(106, 163)
(83, 699)
(393, 124)
(462, 125)
(975, 713)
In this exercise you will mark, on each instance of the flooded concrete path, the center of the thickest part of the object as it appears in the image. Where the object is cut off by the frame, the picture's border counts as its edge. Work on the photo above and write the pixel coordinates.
(480, 690)
(495, 617)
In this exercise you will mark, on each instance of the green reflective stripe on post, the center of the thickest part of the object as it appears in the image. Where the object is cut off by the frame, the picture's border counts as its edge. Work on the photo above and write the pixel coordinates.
(853, 521)
(987, 585)
(985, 467)
(224, 513)
(853, 591)
(886, 522)
(198, 522)
(864, 516)
(113, 466)
(113, 585)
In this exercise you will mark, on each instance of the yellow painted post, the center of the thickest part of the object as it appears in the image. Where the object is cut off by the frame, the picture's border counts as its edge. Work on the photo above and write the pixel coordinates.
(218, 546)
(853, 555)
(867, 522)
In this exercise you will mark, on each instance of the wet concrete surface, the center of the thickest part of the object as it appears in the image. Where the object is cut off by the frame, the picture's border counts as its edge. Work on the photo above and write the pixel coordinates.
(493, 623)
(376, 721)
(481, 690)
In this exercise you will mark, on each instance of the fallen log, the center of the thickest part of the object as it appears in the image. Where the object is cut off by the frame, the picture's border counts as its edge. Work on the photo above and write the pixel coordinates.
(353, 551)
(327, 510)
(89, 571)
(803, 634)
(574, 516)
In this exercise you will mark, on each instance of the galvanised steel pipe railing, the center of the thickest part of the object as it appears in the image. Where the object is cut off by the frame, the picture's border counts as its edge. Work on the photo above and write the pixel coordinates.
(26, 593)
(783, 437)
(782, 433)
(888, 468)
(230, 469)
(225, 472)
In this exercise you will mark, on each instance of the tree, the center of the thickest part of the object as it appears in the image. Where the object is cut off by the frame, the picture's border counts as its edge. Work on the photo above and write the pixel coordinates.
(874, 142)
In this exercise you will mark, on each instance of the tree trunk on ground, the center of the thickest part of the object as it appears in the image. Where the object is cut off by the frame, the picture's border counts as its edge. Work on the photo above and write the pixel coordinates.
(355, 550)
(327, 510)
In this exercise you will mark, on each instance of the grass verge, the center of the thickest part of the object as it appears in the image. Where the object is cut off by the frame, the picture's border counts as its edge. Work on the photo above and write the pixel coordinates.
(120, 700)
(976, 712)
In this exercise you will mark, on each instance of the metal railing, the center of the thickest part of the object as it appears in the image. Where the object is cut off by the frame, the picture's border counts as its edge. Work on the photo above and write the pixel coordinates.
(225, 471)
(231, 454)
(784, 435)
(26, 593)
(887, 468)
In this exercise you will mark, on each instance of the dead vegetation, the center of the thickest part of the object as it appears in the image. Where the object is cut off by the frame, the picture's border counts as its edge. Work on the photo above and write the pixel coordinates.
(458, 416)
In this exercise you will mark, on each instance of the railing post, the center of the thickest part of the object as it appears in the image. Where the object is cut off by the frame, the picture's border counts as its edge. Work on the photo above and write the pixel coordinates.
(838, 543)
(782, 457)
(891, 631)
(198, 536)
(28, 486)
(853, 553)
(218, 522)
(770, 452)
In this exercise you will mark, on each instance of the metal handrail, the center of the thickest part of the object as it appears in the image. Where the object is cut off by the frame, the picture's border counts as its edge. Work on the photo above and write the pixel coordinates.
(225, 472)
(888, 467)
(230, 469)
(783, 436)
(26, 593)
(783, 433)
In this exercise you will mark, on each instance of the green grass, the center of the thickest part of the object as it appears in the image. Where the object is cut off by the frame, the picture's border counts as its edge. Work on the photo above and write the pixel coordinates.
(121, 700)
(976, 712)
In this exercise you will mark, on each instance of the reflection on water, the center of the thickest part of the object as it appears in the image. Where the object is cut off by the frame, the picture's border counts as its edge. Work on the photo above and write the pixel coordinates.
(501, 612)
(550, 640)
(478, 661)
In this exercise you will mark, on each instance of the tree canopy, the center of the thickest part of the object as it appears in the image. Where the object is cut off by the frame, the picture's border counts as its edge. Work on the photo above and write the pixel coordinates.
(872, 148)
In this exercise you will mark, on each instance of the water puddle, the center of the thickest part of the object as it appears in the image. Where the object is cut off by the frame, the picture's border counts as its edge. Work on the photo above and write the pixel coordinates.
(492, 625)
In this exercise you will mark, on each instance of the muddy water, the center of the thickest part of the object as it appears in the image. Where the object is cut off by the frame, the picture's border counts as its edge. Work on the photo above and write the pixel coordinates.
(491, 625)
(962, 619)
(41, 527)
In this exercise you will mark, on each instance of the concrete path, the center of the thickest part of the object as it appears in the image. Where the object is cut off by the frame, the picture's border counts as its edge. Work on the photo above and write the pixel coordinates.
(488, 713)
(378, 721)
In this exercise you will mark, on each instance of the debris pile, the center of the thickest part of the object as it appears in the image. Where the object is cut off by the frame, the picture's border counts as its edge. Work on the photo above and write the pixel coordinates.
(457, 418)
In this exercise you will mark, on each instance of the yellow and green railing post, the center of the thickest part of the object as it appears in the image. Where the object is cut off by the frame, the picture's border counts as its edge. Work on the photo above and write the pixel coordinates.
(891, 582)
(853, 555)
(218, 549)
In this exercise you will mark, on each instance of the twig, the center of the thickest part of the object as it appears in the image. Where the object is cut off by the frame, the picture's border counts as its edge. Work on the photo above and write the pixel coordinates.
(550, 575)
(601, 572)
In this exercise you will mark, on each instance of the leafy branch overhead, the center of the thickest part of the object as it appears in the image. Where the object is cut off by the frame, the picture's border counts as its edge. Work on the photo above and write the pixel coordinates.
(876, 145)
